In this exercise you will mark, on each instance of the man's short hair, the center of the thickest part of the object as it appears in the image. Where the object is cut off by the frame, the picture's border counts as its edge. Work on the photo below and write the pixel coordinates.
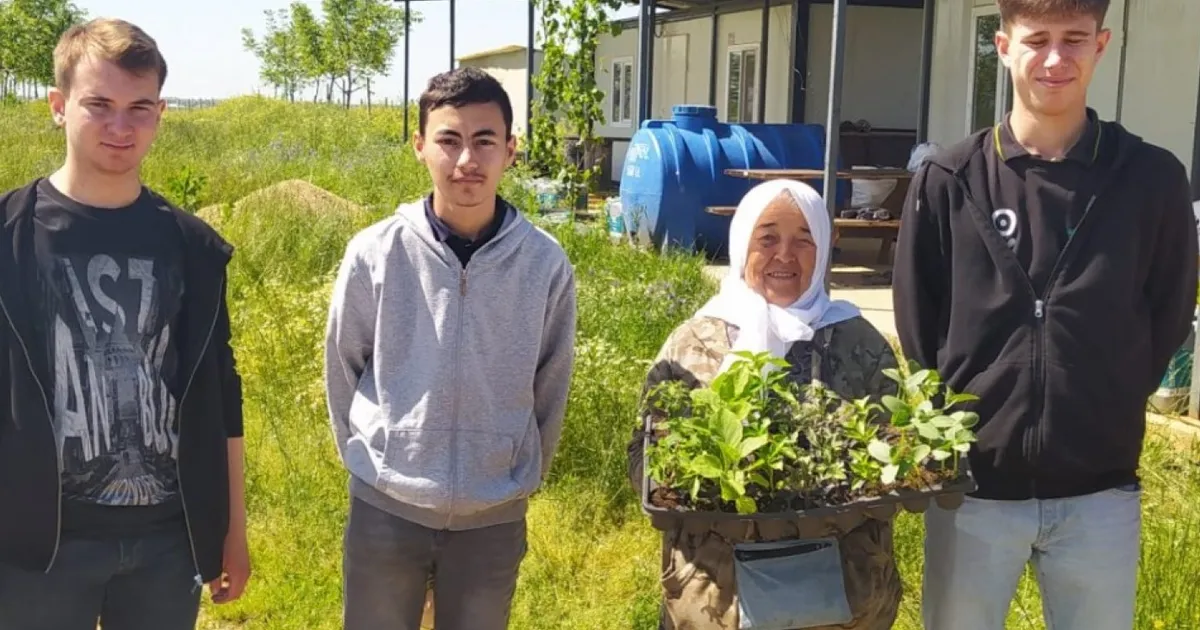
(464, 86)
(1011, 10)
(108, 39)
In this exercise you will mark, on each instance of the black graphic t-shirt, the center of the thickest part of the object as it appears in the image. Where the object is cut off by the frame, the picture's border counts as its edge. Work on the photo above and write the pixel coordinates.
(111, 288)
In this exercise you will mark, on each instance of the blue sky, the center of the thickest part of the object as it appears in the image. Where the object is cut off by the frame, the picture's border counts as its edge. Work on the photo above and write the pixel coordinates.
(203, 46)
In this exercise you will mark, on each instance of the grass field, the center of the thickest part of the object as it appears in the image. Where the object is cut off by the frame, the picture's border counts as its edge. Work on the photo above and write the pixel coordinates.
(593, 558)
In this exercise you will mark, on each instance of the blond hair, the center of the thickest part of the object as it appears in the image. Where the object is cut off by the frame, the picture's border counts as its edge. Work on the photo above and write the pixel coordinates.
(108, 39)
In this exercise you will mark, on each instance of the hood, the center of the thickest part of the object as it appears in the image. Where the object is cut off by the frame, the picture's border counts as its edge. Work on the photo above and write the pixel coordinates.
(512, 232)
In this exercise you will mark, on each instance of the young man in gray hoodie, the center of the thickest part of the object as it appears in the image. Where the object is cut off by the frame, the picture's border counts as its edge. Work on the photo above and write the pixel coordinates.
(448, 358)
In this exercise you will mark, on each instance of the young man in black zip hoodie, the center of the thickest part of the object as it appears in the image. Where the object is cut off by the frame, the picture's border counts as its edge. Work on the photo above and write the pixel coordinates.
(1048, 266)
(120, 405)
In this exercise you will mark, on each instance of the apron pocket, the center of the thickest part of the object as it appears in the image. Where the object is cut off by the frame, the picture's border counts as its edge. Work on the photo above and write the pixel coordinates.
(790, 584)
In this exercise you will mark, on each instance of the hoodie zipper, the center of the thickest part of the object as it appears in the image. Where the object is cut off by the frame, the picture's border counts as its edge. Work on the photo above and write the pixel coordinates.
(178, 468)
(441, 248)
(50, 419)
(1038, 436)
(1033, 440)
(462, 298)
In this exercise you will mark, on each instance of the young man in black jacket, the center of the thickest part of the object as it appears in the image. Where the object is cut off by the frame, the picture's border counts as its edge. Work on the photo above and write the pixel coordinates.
(1048, 266)
(120, 405)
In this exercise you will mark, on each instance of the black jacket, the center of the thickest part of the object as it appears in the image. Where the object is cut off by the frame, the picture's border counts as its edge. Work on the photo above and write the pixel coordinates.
(1063, 377)
(210, 407)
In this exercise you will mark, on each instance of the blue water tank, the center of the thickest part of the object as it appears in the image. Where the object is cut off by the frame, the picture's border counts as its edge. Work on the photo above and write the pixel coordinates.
(674, 169)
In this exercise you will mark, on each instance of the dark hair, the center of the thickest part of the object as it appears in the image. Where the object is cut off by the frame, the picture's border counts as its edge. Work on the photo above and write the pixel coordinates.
(464, 86)
(1010, 10)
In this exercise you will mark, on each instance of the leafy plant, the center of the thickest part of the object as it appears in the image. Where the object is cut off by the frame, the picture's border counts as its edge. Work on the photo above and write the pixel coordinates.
(861, 431)
(923, 430)
(821, 462)
(186, 187)
(725, 439)
(755, 439)
(568, 101)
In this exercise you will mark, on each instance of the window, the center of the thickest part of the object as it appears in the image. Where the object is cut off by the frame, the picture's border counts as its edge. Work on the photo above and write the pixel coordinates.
(620, 94)
(741, 84)
(990, 95)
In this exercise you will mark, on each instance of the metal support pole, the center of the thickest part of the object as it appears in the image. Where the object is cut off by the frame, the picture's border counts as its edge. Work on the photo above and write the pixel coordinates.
(798, 77)
(1196, 152)
(714, 59)
(645, 58)
(452, 60)
(1194, 397)
(762, 62)
(927, 34)
(1193, 410)
(834, 115)
(529, 70)
(407, 25)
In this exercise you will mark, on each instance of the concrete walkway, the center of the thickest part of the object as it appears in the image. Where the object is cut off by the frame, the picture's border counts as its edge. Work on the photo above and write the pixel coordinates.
(875, 304)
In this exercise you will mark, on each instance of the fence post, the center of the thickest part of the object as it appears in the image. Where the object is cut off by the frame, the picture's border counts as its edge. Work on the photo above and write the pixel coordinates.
(1194, 390)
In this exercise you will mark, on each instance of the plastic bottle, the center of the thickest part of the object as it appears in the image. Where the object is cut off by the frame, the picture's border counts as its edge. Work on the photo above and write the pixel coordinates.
(615, 219)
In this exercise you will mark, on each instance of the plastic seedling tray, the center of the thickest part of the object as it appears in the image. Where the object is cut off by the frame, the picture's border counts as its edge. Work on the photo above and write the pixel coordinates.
(948, 496)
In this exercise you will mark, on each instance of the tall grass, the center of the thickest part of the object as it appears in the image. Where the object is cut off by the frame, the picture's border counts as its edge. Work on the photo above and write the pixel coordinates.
(593, 559)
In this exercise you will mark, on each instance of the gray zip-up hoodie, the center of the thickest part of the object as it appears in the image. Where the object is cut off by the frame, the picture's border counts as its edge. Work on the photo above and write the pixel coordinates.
(446, 385)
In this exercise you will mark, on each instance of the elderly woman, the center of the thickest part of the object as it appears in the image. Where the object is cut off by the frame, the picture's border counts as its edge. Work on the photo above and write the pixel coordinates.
(774, 299)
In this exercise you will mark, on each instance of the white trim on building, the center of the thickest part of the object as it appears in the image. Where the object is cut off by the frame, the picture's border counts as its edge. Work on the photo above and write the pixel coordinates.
(622, 107)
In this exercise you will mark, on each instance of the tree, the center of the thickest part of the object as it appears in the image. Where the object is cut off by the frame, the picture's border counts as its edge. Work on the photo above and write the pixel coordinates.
(309, 36)
(360, 40)
(9, 33)
(354, 42)
(29, 31)
(281, 63)
(569, 101)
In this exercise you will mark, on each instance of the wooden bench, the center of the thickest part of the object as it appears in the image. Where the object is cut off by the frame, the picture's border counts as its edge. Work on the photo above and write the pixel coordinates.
(886, 230)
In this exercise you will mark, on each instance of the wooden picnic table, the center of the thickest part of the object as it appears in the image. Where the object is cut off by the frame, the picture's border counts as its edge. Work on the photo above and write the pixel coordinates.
(885, 230)
(814, 173)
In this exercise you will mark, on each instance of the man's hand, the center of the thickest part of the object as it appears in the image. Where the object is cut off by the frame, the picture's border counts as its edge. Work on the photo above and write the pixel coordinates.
(236, 570)
(235, 559)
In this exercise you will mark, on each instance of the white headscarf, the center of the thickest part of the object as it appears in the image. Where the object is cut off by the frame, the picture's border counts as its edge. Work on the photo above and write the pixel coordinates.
(763, 326)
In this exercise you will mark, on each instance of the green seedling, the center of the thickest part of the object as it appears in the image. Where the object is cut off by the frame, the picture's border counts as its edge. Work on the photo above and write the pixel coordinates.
(752, 434)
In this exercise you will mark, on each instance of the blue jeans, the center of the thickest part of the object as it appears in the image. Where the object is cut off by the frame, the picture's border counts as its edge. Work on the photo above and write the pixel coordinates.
(146, 583)
(1084, 549)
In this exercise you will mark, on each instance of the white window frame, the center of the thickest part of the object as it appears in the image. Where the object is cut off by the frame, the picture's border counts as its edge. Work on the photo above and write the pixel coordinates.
(616, 91)
(1003, 80)
(754, 94)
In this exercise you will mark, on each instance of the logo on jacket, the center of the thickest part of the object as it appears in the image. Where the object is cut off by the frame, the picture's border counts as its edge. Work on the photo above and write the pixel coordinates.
(1005, 221)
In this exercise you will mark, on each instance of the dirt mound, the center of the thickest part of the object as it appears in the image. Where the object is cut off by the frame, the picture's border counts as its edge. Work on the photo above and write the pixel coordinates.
(296, 195)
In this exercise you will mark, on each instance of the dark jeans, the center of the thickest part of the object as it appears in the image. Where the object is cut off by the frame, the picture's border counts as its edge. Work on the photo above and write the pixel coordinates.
(146, 583)
(389, 562)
